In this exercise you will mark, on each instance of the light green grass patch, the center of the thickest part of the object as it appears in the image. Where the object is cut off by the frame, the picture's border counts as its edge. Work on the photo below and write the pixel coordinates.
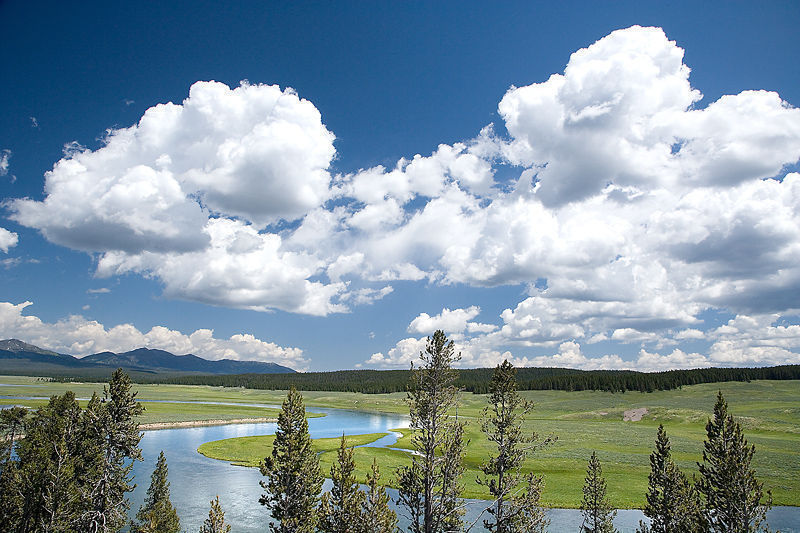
(250, 451)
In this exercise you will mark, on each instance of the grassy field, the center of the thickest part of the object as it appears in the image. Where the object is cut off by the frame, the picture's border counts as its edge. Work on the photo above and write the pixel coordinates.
(583, 421)
(249, 451)
(155, 412)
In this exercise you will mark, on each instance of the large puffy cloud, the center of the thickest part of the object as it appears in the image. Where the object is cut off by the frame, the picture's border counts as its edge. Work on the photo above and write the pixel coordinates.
(8, 239)
(633, 211)
(183, 195)
(603, 119)
(79, 336)
(621, 113)
(254, 152)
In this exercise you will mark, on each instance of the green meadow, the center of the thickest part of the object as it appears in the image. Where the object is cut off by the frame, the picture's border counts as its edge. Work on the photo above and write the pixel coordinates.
(161, 411)
(582, 421)
(249, 451)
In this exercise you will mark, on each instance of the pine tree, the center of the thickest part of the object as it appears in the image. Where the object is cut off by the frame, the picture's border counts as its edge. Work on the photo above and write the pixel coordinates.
(728, 483)
(293, 478)
(157, 515)
(110, 438)
(516, 497)
(89, 463)
(377, 517)
(598, 515)
(215, 523)
(671, 501)
(429, 487)
(340, 511)
(46, 466)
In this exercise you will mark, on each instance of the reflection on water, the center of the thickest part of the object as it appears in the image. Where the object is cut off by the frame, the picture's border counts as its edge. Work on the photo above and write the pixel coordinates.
(196, 480)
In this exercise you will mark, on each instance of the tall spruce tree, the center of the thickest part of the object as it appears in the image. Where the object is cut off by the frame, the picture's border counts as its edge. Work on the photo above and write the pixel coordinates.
(293, 479)
(598, 515)
(47, 481)
(157, 515)
(340, 511)
(429, 488)
(110, 443)
(377, 516)
(215, 523)
(516, 497)
(728, 483)
(672, 503)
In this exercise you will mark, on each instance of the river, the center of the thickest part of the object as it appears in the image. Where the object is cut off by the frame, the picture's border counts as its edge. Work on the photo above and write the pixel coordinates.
(196, 480)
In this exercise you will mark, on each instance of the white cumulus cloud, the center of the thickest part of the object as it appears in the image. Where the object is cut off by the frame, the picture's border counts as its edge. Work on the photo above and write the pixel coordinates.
(8, 239)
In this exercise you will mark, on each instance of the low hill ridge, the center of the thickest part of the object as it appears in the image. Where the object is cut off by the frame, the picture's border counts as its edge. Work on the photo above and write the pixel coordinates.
(16, 355)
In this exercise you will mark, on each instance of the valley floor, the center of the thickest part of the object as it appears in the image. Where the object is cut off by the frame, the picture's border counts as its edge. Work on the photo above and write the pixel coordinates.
(583, 421)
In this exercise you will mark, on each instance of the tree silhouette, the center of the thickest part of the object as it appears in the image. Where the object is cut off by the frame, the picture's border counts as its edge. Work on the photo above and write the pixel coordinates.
(293, 479)
(215, 523)
(516, 496)
(157, 515)
(598, 515)
(728, 483)
(429, 488)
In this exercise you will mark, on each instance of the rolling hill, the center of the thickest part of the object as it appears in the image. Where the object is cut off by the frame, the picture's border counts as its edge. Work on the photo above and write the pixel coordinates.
(18, 357)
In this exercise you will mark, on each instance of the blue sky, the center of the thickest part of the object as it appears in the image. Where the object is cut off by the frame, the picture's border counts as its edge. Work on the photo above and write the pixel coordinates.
(584, 184)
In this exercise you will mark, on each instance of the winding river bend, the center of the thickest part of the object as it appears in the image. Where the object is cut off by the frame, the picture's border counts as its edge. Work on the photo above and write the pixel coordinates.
(195, 479)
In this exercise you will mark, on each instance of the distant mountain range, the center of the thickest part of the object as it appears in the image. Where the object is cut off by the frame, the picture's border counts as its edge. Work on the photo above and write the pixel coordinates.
(17, 357)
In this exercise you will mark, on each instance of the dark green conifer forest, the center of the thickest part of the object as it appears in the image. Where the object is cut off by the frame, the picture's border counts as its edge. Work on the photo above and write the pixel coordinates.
(478, 380)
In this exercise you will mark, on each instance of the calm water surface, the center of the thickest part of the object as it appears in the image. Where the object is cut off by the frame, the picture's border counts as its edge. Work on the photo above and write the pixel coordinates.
(196, 480)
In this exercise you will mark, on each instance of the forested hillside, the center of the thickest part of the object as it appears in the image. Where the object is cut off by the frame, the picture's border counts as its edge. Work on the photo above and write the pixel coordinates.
(477, 380)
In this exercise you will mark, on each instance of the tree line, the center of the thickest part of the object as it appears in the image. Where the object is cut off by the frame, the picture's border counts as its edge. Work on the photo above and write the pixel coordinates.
(478, 380)
(67, 469)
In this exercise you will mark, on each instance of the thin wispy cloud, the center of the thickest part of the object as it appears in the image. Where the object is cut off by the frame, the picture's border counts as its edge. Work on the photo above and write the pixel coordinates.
(5, 156)
(101, 290)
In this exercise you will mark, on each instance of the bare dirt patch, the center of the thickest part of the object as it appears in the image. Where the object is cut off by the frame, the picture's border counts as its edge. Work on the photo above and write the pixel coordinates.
(635, 415)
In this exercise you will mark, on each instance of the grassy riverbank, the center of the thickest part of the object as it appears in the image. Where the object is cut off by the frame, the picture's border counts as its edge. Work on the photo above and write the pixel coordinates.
(249, 451)
(583, 421)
